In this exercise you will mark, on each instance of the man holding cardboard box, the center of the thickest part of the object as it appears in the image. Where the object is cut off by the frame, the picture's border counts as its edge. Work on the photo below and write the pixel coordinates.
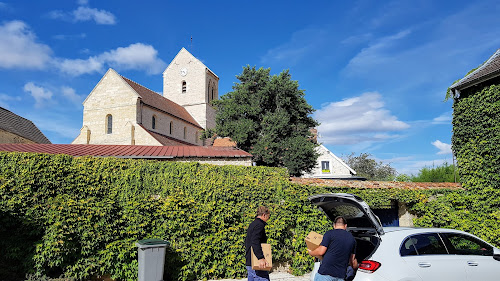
(256, 235)
(337, 249)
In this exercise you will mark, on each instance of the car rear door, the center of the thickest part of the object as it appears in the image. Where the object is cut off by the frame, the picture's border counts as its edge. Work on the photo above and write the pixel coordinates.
(426, 254)
(475, 255)
(358, 214)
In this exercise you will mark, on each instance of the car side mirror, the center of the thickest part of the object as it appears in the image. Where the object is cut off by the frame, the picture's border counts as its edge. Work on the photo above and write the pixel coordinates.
(497, 257)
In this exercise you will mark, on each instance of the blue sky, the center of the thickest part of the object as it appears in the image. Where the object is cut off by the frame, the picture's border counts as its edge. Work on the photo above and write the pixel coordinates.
(375, 71)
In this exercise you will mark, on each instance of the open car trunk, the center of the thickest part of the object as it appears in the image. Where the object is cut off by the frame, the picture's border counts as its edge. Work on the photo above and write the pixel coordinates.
(364, 225)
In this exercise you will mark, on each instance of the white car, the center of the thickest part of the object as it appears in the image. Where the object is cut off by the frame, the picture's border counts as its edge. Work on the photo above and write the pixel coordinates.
(409, 254)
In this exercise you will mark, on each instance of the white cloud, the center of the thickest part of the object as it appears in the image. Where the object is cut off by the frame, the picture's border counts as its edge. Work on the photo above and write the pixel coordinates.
(38, 93)
(71, 95)
(99, 16)
(82, 2)
(4, 99)
(83, 13)
(358, 119)
(357, 39)
(444, 148)
(19, 49)
(376, 54)
(78, 67)
(301, 44)
(135, 56)
(68, 37)
(444, 118)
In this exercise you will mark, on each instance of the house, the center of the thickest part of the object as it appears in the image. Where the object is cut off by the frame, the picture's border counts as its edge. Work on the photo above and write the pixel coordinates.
(476, 125)
(485, 75)
(329, 166)
(181, 153)
(119, 111)
(16, 129)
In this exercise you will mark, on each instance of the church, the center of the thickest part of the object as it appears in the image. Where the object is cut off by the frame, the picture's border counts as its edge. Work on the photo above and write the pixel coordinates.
(120, 111)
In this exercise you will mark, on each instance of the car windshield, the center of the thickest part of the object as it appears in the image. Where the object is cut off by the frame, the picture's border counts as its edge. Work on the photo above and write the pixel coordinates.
(354, 216)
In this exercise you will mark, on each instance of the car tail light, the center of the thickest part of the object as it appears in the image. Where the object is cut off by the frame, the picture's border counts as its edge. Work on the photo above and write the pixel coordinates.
(369, 266)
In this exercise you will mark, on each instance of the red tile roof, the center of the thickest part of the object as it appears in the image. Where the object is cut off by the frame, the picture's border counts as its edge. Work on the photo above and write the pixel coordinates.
(224, 142)
(129, 151)
(159, 102)
(377, 184)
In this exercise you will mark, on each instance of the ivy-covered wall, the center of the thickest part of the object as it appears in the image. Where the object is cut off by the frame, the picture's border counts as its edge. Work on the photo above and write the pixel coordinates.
(476, 138)
(80, 217)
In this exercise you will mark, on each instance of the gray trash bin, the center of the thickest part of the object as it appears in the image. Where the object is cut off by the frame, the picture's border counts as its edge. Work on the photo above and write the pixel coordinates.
(151, 255)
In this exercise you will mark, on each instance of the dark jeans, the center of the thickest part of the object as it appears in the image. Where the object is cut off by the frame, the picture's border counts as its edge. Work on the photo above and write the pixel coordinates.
(257, 275)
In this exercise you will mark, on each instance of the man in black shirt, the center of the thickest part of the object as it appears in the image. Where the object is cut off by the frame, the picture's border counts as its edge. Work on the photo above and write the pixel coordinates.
(256, 234)
(338, 249)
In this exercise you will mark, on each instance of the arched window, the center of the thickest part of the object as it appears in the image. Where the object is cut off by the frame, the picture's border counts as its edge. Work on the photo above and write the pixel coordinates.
(185, 132)
(171, 126)
(184, 87)
(153, 122)
(109, 124)
(212, 93)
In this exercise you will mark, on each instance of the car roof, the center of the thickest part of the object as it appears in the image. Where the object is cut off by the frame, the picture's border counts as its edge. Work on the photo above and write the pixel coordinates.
(410, 230)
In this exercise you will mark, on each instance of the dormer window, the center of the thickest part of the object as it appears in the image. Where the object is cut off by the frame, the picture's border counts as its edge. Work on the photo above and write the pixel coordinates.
(184, 87)
(109, 124)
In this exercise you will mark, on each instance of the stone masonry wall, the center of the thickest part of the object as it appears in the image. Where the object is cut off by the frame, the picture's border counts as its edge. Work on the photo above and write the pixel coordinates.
(186, 68)
(8, 137)
(111, 96)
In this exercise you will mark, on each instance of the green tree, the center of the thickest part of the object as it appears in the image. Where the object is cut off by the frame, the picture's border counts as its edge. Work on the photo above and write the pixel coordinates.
(443, 173)
(369, 168)
(268, 116)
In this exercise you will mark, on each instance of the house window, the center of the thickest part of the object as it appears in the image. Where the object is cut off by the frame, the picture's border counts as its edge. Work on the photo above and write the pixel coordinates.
(153, 122)
(184, 87)
(109, 124)
(171, 125)
(325, 166)
(185, 131)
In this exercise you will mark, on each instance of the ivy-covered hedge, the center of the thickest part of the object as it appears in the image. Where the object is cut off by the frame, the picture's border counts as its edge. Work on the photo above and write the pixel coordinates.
(80, 217)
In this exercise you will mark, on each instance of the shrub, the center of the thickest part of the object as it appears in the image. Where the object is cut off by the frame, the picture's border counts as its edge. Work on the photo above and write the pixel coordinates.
(80, 217)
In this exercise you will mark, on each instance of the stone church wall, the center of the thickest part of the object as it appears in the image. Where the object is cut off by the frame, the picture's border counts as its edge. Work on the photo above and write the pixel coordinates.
(111, 96)
(163, 125)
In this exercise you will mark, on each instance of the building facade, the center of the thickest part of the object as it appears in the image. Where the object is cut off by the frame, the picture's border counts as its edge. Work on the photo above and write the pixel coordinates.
(16, 129)
(329, 166)
(123, 112)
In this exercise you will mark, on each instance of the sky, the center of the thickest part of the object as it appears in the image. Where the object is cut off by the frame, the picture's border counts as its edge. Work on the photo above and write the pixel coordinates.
(376, 72)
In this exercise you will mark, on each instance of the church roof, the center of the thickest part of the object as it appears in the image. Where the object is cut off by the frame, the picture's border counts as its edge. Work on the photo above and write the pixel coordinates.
(165, 140)
(20, 126)
(489, 69)
(129, 151)
(161, 103)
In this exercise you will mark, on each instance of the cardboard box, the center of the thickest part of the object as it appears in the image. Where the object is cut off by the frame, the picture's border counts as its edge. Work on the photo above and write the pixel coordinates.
(313, 240)
(266, 249)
